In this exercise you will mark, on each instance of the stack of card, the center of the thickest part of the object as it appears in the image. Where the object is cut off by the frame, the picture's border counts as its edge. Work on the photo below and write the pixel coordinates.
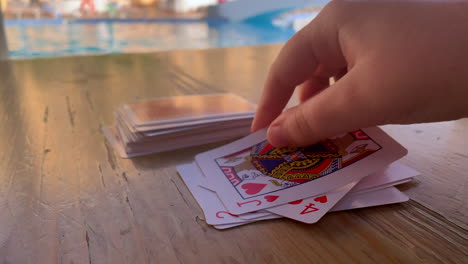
(176, 122)
(250, 180)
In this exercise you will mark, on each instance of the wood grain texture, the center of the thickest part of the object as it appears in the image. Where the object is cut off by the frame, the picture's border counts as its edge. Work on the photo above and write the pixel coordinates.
(65, 196)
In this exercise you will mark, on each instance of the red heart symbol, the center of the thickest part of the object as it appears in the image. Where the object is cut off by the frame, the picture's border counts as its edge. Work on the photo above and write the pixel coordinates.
(296, 202)
(253, 188)
(321, 199)
(271, 198)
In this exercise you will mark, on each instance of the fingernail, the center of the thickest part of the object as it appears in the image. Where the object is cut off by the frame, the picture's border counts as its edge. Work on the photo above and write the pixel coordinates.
(277, 136)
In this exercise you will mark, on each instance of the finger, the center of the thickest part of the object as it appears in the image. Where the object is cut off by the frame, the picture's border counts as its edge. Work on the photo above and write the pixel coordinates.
(312, 87)
(314, 44)
(341, 108)
(319, 81)
(289, 70)
(338, 75)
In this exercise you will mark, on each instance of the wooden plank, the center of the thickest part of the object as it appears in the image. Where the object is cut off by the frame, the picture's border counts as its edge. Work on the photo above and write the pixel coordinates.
(440, 152)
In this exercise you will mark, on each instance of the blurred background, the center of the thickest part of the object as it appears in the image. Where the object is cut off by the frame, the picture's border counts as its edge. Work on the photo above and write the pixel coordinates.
(50, 28)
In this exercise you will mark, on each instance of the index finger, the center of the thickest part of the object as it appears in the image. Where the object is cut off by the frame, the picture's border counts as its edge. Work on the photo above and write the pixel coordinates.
(315, 44)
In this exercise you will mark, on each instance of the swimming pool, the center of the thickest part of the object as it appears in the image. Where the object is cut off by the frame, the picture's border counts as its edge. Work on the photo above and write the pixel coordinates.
(69, 39)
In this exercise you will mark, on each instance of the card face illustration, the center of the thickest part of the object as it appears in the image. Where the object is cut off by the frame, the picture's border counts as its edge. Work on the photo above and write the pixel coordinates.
(263, 169)
(250, 174)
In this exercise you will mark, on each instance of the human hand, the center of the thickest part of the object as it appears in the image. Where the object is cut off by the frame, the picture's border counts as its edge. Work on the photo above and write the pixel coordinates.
(396, 62)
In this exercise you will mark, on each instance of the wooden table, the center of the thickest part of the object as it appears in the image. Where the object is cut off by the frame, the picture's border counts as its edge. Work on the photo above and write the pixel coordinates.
(65, 196)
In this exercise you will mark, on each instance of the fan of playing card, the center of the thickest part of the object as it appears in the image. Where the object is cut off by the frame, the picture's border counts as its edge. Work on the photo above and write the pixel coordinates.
(171, 123)
(250, 180)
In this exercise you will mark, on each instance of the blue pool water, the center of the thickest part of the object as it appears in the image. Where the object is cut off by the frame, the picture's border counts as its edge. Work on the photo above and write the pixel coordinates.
(69, 39)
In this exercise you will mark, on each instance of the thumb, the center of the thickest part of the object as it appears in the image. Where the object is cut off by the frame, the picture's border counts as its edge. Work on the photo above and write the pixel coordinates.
(341, 108)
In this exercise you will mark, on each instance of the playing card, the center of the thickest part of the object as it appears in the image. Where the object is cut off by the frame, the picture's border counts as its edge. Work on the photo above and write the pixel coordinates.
(212, 121)
(225, 226)
(395, 173)
(205, 127)
(173, 143)
(205, 184)
(215, 212)
(310, 210)
(157, 145)
(250, 174)
(388, 195)
(380, 187)
(182, 109)
(247, 216)
(165, 124)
